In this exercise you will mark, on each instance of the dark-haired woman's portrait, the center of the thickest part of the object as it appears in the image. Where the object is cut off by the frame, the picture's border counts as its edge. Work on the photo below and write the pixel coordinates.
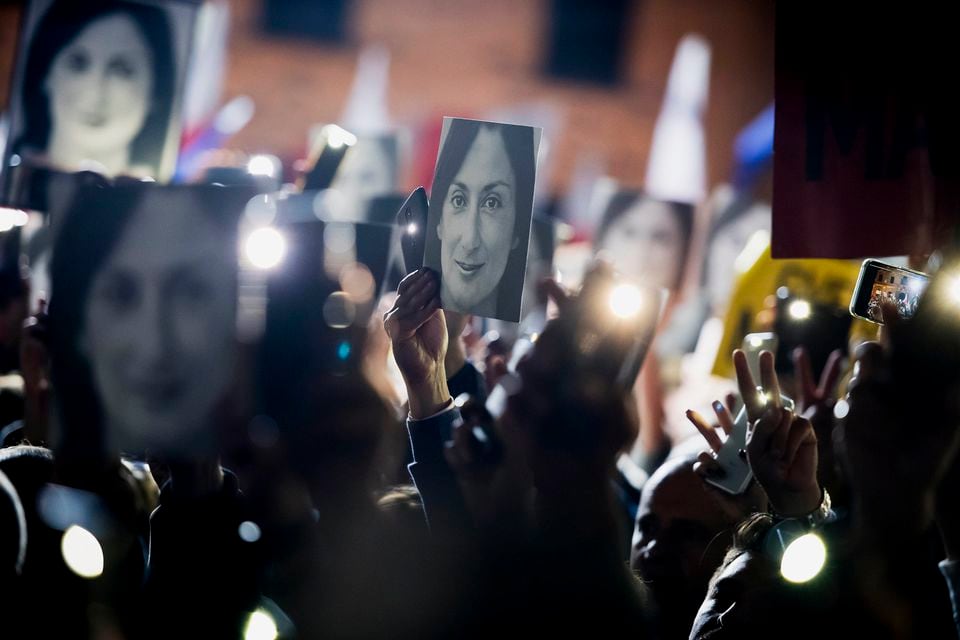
(99, 86)
(481, 206)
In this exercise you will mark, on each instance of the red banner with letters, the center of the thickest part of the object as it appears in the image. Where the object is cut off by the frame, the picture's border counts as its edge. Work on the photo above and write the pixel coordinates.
(867, 133)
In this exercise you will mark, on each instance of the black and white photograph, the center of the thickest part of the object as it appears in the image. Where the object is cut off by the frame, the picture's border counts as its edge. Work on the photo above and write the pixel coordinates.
(151, 302)
(481, 207)
(646, 239)
(98, 86)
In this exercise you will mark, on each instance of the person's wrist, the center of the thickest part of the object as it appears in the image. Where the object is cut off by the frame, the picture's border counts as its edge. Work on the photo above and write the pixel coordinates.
(454, 360)
(796, 504)
(428, 396)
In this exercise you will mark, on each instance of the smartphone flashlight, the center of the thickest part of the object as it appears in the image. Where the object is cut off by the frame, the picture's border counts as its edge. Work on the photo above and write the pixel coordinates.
(626, 301)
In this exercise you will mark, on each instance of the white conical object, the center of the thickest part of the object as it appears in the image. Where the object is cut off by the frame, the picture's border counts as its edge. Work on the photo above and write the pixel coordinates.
(208, 63)
(366, 111)
(676, 169)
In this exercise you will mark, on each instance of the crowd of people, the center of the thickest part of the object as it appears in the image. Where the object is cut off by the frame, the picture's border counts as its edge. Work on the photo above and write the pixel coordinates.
(296, 504)
(313, 443)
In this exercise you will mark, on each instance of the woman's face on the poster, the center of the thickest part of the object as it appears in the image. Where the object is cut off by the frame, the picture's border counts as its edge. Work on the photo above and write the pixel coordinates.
(477, 223)
(158, 324)
(99, 85)
(646, 243)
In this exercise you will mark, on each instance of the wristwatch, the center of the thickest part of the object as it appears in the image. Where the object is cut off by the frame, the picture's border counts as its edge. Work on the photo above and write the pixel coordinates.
(820, 516)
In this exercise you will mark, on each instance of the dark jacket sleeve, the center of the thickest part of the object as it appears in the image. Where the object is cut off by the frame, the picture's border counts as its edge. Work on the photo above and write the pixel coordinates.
(468, 380)
(436, 482)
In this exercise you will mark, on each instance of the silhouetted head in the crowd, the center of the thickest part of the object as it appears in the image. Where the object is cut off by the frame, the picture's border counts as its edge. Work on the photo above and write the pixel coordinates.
(681, 535)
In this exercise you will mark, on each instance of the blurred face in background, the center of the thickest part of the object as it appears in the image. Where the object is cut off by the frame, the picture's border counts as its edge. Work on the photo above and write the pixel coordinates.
(646, 244)
(158, 326)
(367, 172)
(477, 223)
(99, 86)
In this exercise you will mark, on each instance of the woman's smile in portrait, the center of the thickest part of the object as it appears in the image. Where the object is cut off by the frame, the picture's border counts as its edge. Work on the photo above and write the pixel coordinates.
(477, 224)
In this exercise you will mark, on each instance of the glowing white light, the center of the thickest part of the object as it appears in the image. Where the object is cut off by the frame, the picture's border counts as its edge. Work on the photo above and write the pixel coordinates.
(261, 165)
(248, 531)
(953, 289)
(260, 626)
(338, 136)
(82, 552)
(799, 310)
(265, 248)
(411, 228)
(10, 218)
(803, 559)
(841, 409)
(755, 342)
(625, 301)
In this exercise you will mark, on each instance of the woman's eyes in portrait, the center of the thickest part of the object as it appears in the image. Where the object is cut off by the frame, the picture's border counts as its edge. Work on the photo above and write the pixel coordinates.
(492, 202)
(78, 61)
(458, 199)
(190, 288)
(663, 236)
(120, 292)
(121, 67)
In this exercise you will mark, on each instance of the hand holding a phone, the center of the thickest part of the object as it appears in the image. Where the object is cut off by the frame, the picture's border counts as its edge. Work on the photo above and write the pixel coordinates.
(418, 333)
(781, 446)
(737, 506)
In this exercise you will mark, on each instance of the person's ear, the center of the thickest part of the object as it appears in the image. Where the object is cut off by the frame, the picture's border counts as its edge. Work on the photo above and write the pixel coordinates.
(440, 230)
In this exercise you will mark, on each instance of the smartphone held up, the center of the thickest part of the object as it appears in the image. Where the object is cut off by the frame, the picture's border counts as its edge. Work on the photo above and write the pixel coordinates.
(883, 285)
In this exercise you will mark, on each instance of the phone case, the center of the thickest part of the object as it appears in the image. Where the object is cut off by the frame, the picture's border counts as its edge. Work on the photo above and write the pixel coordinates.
(737, 473)
(412, 219)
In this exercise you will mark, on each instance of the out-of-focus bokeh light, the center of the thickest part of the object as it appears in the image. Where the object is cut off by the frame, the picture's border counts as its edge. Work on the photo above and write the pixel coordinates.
(10, 218)
(411, 228)
(82, 552)
(953, 289)
(625, 301)
(265, 248)
(260, 626)
(356, 280)
(803, 559)
(248, 531)
(799, 310)
(338, 136)
(339, 312)
(262, 165)
(755, 341)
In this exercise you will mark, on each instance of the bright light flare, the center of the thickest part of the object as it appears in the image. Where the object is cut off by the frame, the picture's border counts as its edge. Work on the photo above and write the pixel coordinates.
(625, 301)
(799, 310)
(260, 626)
(262, 165)
(952, 289)
(82, 552)
(411, 229)
(338, 136)
(265, 248)
(803, 559)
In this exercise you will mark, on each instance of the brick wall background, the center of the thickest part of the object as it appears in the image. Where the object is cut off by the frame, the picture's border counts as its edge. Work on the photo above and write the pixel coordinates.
(458, 57)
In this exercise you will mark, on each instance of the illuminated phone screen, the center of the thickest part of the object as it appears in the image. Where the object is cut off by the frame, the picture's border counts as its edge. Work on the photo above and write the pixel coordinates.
(881, 284)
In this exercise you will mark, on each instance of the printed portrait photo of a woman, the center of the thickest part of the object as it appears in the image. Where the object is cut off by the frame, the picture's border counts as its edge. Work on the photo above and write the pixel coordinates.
(99, 87)
(479, 219)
